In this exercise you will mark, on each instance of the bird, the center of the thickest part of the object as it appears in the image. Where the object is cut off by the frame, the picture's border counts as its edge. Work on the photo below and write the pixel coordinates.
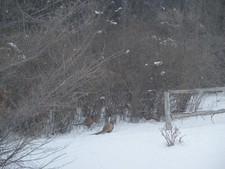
(87, 122)
(106, 129)
(148, 116)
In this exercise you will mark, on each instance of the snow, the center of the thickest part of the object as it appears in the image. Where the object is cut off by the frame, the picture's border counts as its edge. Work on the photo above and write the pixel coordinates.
(150, 90)
(99, 31)
(162, 73)
(158, 63)
(163, 8)
(127, 51)
(22, 56)
(13, 46)
(112, 22)
(165, 42)
(168, 42)
(102, 97)
(154, 37)
(98, 12)
(201, 26)
(117, 10)
(142, 146)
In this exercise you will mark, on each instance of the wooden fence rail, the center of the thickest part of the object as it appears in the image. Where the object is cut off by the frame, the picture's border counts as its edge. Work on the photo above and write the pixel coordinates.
(170, 116)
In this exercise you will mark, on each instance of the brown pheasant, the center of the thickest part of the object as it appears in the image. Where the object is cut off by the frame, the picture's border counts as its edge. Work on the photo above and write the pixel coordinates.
(148, 116)
(87, 122)
(107, 128)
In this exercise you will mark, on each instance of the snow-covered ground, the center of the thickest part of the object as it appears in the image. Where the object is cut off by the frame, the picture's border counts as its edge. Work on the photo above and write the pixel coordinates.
(141, 146)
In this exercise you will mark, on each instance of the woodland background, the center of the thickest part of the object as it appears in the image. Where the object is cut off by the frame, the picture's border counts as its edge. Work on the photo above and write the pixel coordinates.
(64, 60)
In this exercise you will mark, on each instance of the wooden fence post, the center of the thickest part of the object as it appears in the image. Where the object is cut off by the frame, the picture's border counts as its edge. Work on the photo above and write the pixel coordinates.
(167, 110)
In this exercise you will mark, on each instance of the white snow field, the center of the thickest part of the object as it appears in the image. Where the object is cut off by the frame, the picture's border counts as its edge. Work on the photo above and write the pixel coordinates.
(141, 146)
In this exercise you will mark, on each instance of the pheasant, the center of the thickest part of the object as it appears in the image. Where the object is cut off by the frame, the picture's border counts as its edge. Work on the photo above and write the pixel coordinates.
(106, 129)
(87, 122)
(148, 116)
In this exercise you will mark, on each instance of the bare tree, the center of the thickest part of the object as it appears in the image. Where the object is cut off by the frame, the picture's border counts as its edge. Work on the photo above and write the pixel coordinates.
(47, 63)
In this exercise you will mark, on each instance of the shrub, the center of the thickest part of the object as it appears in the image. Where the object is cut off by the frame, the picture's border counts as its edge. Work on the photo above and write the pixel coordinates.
(172, 136)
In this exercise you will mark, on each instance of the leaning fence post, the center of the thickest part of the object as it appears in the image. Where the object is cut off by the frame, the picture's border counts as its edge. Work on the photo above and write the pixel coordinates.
(167, 110)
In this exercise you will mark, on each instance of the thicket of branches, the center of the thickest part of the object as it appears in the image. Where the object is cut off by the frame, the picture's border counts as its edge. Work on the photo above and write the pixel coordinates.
(59, 59)
(170, 45)
(47, 64)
